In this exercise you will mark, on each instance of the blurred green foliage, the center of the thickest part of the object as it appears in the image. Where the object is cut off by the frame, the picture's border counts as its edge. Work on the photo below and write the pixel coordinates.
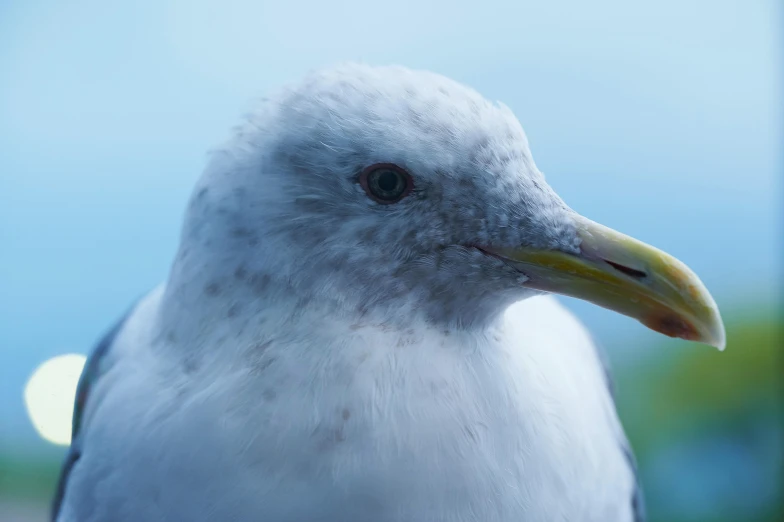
(719, 419)
(28, 480)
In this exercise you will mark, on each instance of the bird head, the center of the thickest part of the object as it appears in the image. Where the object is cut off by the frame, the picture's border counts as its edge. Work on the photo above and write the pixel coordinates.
(384, 188)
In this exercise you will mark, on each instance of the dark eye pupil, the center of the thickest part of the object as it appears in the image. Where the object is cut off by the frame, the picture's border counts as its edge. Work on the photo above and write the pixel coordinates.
(387, 184)
(388, 181)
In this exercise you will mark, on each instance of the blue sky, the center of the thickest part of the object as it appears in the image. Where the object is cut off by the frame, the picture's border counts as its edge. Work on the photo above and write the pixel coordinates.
(660, 120)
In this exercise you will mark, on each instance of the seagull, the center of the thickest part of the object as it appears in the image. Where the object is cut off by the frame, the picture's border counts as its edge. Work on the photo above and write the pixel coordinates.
(358, 326)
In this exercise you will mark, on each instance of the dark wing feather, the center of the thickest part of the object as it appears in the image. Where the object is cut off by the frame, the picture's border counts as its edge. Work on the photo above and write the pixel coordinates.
(89, 375)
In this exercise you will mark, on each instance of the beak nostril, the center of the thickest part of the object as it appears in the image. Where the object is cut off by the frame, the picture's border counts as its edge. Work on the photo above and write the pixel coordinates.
(631, 272)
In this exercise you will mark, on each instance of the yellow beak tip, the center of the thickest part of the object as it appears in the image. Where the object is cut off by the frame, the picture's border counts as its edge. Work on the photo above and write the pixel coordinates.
(720, 339)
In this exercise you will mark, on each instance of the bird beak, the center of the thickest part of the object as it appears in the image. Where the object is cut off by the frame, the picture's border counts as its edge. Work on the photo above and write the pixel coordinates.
(618, 272)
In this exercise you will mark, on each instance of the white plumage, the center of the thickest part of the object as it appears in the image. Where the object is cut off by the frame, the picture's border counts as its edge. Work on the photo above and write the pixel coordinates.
(356, 424)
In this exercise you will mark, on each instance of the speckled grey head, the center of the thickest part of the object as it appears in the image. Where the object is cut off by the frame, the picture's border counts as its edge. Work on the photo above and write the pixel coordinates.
(285, 198)
(285, 195)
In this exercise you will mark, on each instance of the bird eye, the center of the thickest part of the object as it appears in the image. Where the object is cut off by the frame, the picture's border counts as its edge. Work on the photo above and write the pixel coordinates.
(386, 183)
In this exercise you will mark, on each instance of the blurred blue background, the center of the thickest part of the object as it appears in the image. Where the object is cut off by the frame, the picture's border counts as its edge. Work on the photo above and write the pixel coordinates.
(661, 120)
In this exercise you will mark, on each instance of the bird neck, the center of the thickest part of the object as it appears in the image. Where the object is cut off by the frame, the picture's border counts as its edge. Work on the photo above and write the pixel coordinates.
(214, 291)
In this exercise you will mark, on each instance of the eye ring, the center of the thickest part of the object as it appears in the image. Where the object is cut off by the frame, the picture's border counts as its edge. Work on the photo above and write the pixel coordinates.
(386, 183)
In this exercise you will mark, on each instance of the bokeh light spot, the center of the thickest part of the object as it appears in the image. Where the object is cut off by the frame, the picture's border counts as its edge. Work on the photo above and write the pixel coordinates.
(49, 396)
